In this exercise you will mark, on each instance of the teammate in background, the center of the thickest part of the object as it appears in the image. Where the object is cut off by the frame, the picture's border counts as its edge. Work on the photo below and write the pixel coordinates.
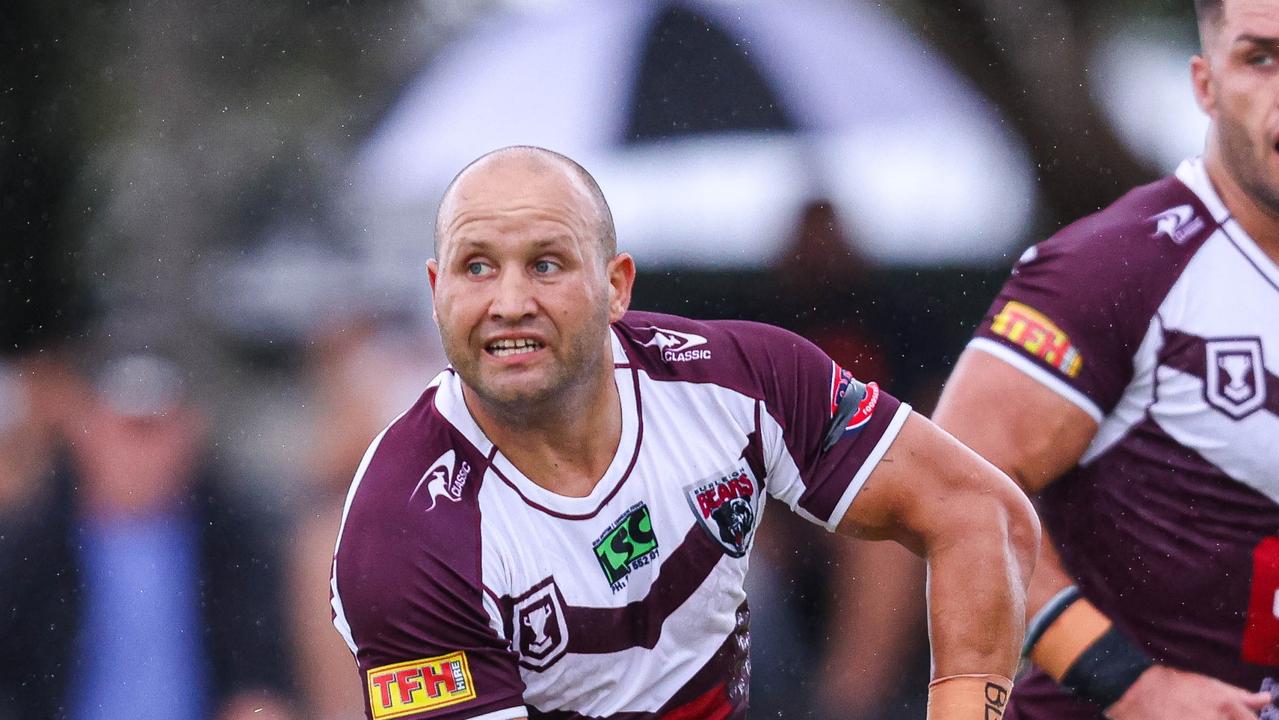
(560, 527)
(1129, 373)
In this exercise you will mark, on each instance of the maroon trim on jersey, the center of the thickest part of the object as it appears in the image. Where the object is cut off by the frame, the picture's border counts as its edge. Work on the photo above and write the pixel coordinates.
(639, 623)
(1161, 541)
(753, 453)
(1188, 353)
(626, 474)
(718, 691)
(785, 372)
(410, 579)
(820, 498)
(593, 630)
(1246, 256)
(1101, 279)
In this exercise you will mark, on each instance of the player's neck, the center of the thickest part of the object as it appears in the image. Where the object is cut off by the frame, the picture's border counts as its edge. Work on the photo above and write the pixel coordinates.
(1255, 219)
(567, 446)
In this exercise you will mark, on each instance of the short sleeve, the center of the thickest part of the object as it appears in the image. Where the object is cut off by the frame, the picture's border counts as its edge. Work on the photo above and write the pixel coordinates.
(1078, 305)
(1053, 320)
(823, 431)
(408, 596)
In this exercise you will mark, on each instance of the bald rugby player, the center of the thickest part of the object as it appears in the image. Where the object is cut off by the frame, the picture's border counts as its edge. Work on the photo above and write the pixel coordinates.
(1135, 358)
(561, 526)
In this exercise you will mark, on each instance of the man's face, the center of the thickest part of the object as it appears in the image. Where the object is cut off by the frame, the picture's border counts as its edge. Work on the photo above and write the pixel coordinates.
(522, 297)
(1237, 84)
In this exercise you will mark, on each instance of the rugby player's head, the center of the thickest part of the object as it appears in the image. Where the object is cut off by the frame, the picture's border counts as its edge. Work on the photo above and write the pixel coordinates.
(539, 161)
(526, 280)
(1236, 83)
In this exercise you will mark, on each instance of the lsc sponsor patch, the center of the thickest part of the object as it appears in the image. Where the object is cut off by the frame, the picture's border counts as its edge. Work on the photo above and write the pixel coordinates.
(419, 685)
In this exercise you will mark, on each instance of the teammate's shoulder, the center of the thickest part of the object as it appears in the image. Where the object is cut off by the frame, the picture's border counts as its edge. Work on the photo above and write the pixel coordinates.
(1162, 220)
(733, 353)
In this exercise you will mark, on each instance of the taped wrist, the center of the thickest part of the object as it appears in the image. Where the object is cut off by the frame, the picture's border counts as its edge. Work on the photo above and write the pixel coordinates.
(957, 697)
(1082, 650)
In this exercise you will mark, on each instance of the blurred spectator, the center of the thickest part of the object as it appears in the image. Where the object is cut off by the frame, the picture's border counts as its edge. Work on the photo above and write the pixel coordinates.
(843, 622)
(38, 395)
(139, 587)
(362, 376)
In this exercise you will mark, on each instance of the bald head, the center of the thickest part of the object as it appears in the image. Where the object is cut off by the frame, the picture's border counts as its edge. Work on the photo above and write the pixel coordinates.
(529, 164)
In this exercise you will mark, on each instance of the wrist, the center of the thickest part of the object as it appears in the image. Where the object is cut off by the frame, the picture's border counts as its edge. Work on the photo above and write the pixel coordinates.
(1082, 650)
(968, 696)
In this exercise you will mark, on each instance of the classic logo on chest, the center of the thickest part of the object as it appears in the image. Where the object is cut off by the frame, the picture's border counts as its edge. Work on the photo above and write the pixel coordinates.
(1235, 381)
(627, 544)
(727, 505)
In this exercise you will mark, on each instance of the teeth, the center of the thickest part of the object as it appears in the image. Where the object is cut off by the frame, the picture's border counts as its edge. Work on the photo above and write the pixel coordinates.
(507, 347)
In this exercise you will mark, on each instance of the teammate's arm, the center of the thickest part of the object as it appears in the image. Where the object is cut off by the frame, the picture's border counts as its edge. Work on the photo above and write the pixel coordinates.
(1035, 435)
(978, 534)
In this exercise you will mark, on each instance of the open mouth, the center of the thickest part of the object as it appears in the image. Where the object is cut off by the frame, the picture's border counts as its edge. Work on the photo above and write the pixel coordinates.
(510, 347)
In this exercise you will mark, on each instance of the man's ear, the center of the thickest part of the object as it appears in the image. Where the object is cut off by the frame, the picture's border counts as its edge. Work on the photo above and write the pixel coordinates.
(1201, 83)
(621, 280)
(433, 275)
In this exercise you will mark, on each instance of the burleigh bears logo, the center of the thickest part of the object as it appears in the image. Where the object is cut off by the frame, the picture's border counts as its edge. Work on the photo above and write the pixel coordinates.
(727, 505)
(627, 544)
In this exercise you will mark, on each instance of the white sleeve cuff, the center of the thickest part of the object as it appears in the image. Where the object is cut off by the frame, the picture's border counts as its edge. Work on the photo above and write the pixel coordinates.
(876, 453)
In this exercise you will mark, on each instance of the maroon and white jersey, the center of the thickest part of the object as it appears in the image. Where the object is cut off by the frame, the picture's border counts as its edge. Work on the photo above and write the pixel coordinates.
(1159, 317)
(466, 590)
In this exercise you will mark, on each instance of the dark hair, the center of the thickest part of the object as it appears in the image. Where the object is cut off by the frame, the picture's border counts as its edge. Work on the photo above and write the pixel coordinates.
(606, 229)
(1208, 11)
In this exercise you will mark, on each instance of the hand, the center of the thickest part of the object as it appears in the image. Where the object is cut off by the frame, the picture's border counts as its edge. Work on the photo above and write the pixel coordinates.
(1162, 693)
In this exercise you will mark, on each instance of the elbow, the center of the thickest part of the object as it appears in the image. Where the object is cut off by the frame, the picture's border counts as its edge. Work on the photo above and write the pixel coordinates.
(1020, 528)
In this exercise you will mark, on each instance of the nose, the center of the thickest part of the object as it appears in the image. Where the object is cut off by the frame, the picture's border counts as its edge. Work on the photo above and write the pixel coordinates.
(513, 297)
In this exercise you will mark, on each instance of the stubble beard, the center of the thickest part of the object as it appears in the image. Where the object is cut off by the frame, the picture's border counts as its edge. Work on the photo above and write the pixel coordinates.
(525, 403)
(1249, 172)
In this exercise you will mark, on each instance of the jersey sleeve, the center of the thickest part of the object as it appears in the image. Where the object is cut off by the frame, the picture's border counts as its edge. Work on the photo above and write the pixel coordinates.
(1060, 319)
(823, 431)
(408, 595)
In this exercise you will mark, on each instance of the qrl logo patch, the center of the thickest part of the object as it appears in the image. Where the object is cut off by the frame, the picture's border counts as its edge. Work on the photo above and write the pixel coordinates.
(1235, 381)
(419, 685)
(1035, 333)
(629, 543)
(539, 632)
(727, 505)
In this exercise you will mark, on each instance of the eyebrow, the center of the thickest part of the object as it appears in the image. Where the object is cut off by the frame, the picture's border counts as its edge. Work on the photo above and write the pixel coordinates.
(1263, 40)
(483, 245)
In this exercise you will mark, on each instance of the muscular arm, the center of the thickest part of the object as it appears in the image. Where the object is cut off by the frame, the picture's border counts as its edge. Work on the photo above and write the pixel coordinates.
(1035, 435)
(1023, 428)
(977, 533)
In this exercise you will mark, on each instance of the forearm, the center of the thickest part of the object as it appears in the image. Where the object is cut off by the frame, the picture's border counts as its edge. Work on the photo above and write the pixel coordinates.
(976, 597)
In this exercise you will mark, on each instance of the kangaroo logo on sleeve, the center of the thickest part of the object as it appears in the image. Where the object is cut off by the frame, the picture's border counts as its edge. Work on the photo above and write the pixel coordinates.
(1235, 381)
(441, 482)
(1179, 224)
(678, 346)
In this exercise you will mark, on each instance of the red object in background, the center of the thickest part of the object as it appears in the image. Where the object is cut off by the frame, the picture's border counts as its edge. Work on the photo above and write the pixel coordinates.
(1261, 634)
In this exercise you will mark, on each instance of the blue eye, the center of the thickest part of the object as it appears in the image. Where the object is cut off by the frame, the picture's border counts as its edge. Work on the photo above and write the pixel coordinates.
(542, 267)
(476, 268)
